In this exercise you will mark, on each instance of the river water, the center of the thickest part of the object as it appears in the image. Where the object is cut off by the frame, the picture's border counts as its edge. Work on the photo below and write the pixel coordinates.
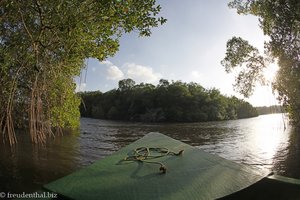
(266, 142)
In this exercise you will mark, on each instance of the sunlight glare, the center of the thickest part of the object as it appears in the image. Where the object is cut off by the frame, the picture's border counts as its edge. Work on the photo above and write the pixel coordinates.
(263, 94)
(268, 142)
(270, 72)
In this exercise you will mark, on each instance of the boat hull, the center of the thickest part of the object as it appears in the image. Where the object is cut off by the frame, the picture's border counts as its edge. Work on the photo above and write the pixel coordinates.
(271, 187)
(193, 175)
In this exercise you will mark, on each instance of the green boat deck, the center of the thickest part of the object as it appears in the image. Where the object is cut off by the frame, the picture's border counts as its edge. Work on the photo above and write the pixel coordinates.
(193, 175)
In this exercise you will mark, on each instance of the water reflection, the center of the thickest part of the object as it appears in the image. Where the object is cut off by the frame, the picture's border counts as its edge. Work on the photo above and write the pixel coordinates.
(270, 140)
(269, 135)
(260, 142)
(289, 165)
(255, 141)
(26, 167)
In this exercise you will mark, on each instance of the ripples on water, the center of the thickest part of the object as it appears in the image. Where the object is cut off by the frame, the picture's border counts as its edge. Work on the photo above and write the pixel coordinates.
(266, 141)
(262, 142)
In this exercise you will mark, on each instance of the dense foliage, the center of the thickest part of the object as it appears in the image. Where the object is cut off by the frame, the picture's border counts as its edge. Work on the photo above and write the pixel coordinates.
(263, 110)
(280, 20)
(166, 102)
(43, 45)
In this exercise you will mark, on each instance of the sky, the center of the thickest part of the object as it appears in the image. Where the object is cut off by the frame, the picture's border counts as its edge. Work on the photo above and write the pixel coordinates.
(188, 47)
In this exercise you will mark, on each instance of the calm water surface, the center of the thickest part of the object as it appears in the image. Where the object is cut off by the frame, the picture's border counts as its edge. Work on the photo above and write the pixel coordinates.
(266, 141)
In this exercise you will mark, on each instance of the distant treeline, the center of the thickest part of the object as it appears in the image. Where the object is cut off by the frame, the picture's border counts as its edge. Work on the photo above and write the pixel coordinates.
(174, 101)
(270, 109)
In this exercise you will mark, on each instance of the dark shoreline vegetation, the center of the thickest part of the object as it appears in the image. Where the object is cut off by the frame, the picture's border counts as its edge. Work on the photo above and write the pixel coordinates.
(174, 101)
(265, 110)
(44, 45)
(279, 20)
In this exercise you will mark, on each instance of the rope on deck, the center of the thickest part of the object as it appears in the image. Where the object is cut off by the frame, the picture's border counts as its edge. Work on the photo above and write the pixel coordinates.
(146, 154)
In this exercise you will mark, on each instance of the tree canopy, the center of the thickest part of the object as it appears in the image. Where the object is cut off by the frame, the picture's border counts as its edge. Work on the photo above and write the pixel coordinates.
(174, 101)
(280, 20)
(43, 45)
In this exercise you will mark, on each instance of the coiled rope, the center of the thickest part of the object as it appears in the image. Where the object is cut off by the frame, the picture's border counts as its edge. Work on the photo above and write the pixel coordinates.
(146, 154)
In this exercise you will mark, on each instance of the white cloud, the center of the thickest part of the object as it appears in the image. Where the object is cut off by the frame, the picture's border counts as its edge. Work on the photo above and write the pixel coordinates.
(196, 74)
(106, 62)
(80, 87)
(114, 73)
(141, 73)
(138, 73)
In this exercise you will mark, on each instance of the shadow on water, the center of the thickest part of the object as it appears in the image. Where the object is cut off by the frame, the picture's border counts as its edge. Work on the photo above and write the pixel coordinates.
(26, 167)
(289, 165)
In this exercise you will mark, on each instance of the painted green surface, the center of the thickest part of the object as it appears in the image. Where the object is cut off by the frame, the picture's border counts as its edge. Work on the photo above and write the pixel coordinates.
(194, 175)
